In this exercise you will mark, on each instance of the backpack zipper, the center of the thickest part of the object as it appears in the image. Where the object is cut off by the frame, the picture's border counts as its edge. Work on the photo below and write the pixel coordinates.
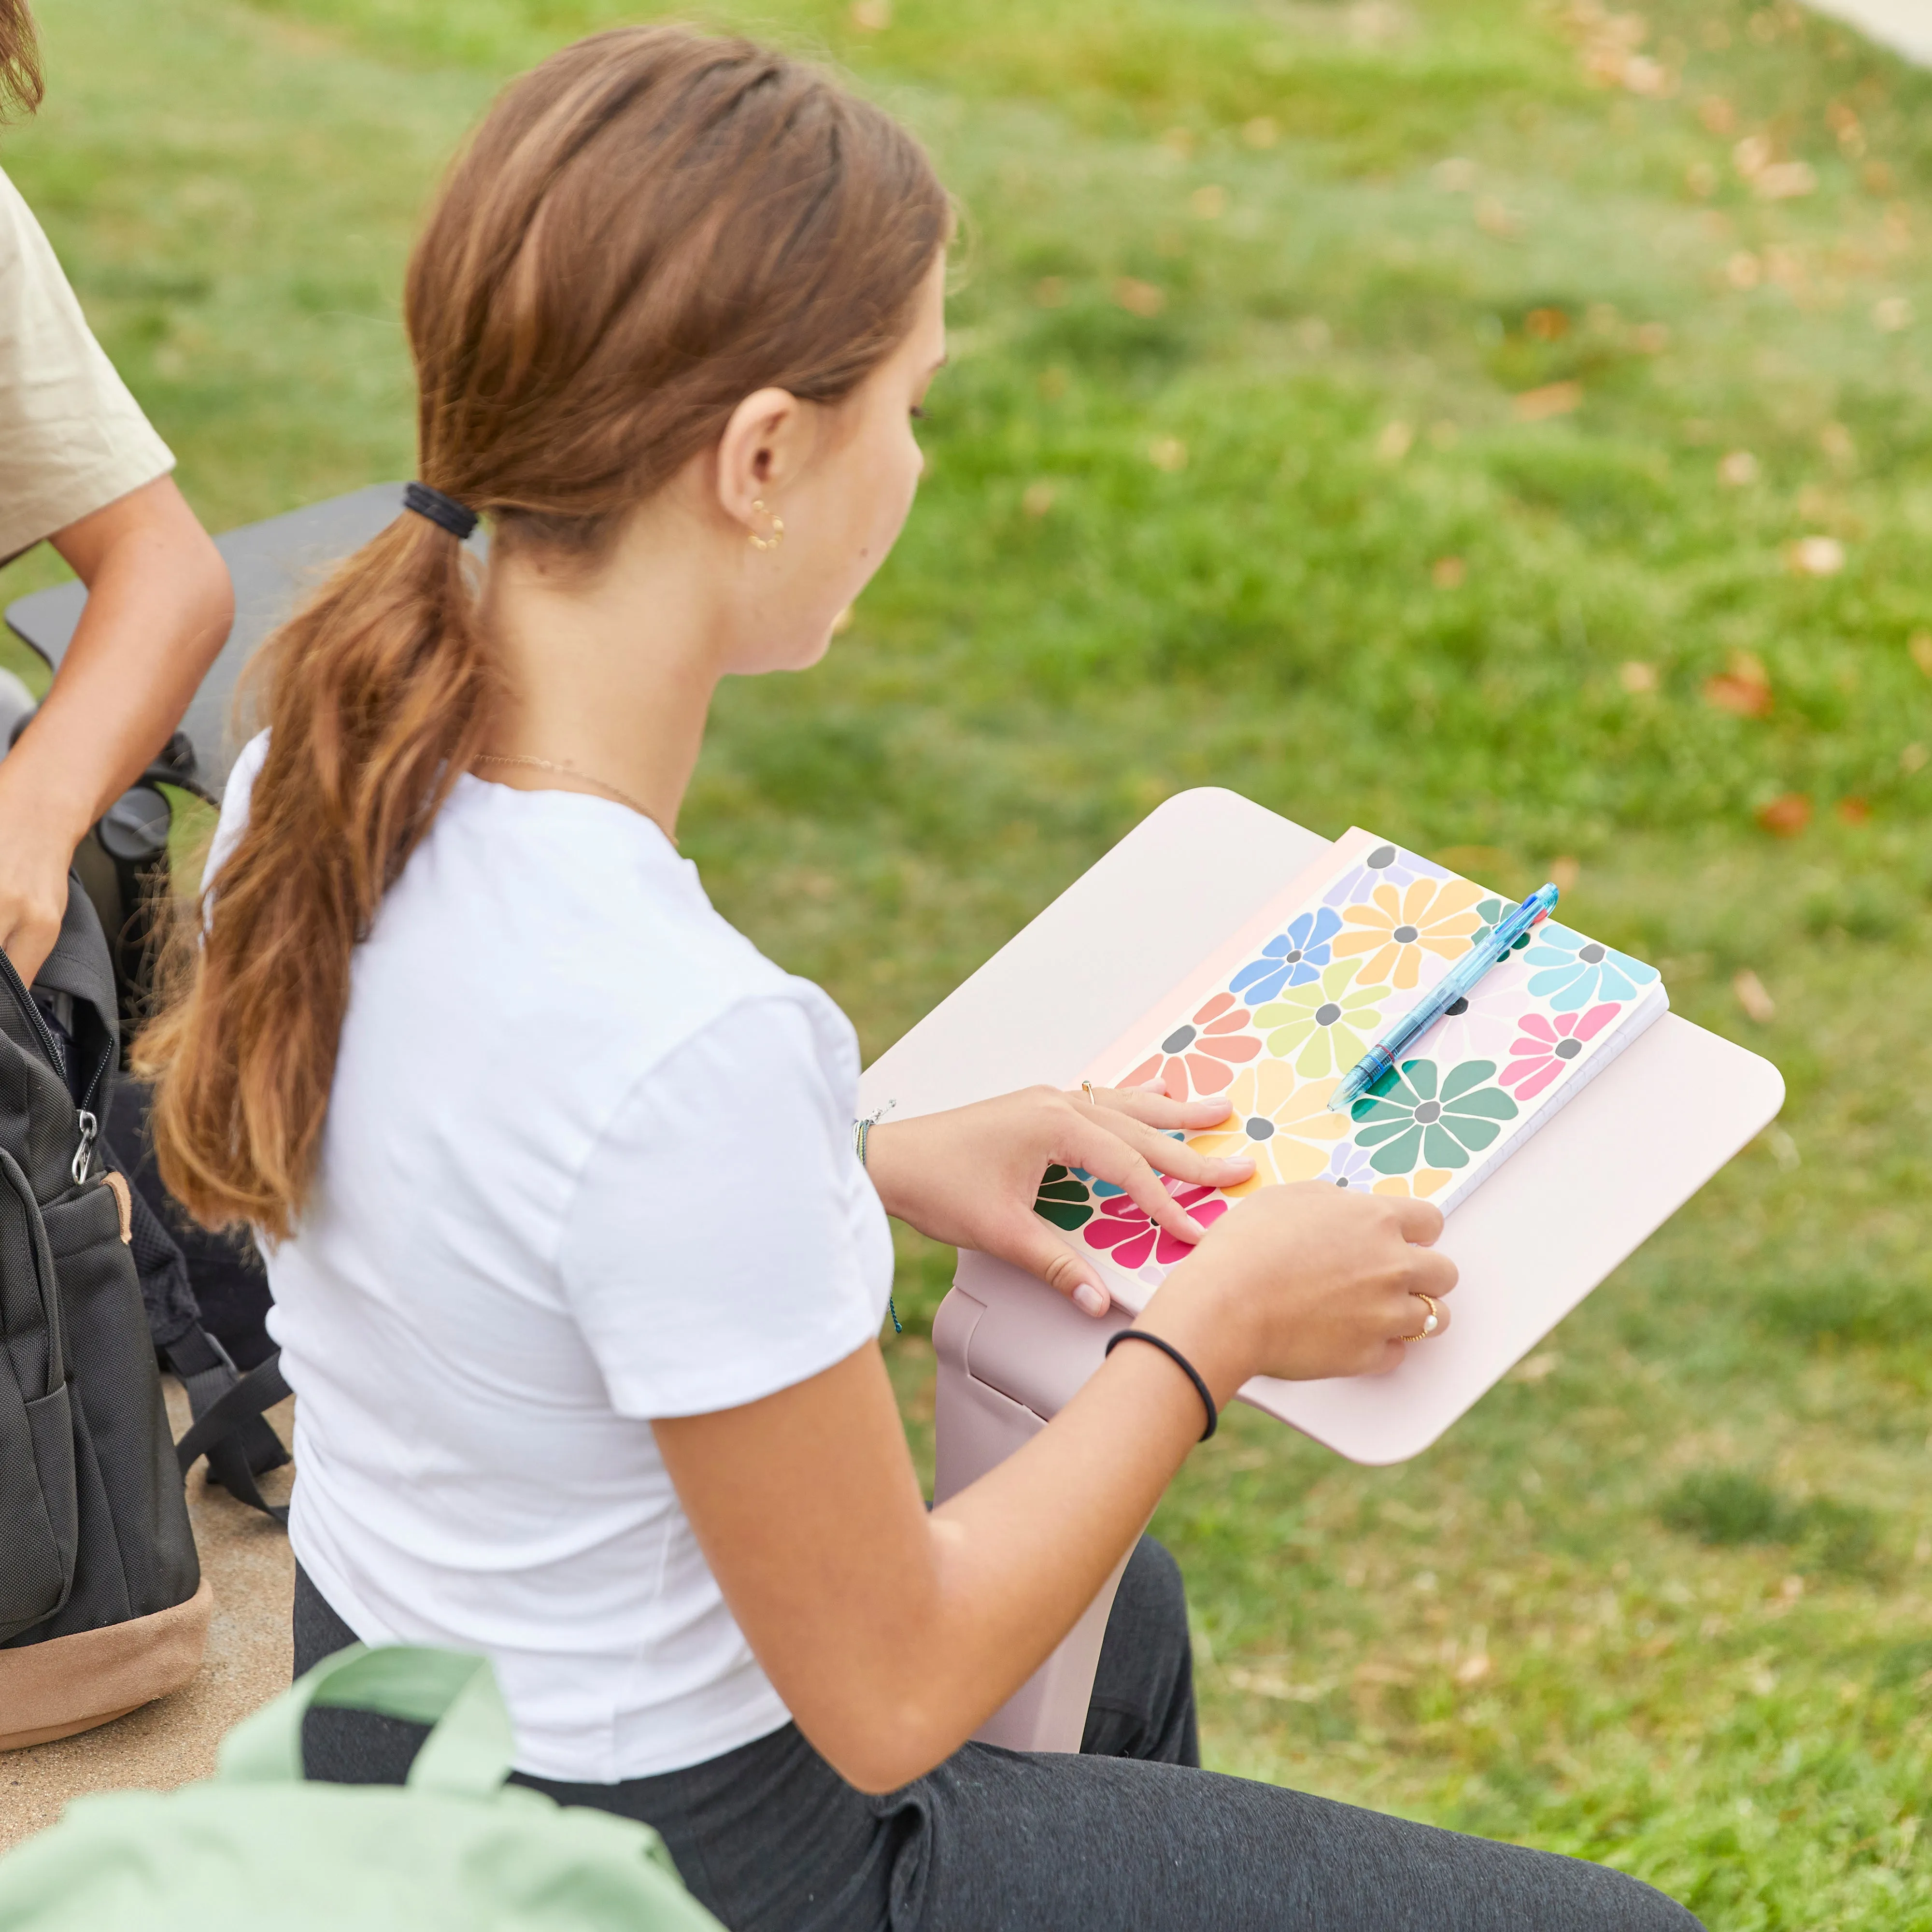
(89, 1121)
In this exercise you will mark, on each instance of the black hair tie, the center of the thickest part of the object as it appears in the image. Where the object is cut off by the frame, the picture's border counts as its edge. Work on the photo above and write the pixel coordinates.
(458, 519)
(1187, 1368)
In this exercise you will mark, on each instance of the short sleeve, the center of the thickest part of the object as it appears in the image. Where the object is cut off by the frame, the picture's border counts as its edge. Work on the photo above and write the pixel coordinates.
(72, 439)
(725, 1242)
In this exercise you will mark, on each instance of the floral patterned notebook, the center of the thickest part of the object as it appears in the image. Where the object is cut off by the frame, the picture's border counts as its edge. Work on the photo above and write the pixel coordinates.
(1275, 1017)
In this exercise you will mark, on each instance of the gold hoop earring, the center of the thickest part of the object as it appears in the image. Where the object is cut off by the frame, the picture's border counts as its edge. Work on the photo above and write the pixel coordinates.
(777, 536)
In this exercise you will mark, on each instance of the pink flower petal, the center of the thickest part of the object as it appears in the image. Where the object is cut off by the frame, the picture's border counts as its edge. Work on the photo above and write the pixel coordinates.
(1593, 1022)
(1535, 1084)
(1131, 1254)
(1535, 1024)
(1216, 1007)
(1521, 1070)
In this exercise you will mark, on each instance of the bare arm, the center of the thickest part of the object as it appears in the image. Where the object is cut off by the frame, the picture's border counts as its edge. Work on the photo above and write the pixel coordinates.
(891, 1633)
(158, 608)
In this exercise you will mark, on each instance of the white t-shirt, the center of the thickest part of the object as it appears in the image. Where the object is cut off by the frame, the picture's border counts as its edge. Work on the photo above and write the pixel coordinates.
(588, 1160)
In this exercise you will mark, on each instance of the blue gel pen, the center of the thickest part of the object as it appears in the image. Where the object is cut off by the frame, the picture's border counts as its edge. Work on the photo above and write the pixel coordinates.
(1458, 983)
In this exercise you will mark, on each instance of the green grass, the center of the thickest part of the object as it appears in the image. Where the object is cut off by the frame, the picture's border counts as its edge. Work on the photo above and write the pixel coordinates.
(1663, 1598)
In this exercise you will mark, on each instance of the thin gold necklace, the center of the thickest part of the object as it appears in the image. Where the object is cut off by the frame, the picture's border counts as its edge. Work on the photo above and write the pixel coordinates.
(571, 772)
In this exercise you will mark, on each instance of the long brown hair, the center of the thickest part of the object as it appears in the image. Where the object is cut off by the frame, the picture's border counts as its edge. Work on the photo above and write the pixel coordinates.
(645, 229)
(20, 85)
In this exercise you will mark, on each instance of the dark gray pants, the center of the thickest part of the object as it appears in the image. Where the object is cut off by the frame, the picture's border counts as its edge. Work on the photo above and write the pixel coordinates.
(1130, 1836)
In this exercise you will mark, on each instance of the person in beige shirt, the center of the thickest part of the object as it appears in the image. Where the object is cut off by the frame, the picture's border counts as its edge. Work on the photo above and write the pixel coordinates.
(81, 469)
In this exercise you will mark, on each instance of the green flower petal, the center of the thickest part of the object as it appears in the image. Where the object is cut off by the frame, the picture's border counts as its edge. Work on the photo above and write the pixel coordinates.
(1068, 1190)
(1441, 1147)
(1318, 1057)
(1382, 1108)
(1380, 1118)
(1420, 1075)
(1489, 1103)
(1471, 1073)
(1477, 1134)
(1398, 1156)
(1063, 1214)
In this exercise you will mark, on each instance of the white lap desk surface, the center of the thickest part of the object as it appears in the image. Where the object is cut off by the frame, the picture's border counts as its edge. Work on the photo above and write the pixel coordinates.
(1531, 1243)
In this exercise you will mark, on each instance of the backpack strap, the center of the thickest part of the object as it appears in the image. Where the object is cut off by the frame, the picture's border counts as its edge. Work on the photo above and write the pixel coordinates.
(468, 1754)
(217, 1432)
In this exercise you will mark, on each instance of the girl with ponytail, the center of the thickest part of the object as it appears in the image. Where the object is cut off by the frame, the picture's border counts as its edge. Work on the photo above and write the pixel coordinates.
(578, 1262)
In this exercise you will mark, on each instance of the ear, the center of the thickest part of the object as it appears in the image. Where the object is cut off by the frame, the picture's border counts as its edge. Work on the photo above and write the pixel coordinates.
(763, 449)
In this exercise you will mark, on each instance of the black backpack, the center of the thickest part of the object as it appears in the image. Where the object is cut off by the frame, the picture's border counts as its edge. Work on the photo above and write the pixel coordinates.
(102, 1604)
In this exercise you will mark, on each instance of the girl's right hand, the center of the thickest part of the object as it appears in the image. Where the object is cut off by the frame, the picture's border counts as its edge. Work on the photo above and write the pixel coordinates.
(1303, 1281)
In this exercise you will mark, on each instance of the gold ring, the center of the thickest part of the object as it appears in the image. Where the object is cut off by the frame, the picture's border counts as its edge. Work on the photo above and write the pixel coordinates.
(1087, 1087)
(1430, 1327)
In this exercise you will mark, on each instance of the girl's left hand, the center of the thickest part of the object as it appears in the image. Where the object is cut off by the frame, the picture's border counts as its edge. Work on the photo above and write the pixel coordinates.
(970, 1177)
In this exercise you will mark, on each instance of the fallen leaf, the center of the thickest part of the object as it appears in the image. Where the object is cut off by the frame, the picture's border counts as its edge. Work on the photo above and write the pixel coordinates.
(1855, 811)
(1447, 573)
(1493, 218)
(874, 16)
(1168, 453)
(1759, 1005)
(1553, 399)
(1742, 697)
(1139, 297)
(1816, 556)
(1784, 180)
(1737, 469)
(1383, 1673)
(1395, 441)
(1050, 291)
(1786, 815)
(1920, 648)
(1261, 132)
(1209, 202)
(1892, 314)
(1637, 677)
(1473, 1670)
(1037, 498)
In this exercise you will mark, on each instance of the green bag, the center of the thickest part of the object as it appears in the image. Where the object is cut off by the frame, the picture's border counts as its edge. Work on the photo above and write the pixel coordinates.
(257, 1848)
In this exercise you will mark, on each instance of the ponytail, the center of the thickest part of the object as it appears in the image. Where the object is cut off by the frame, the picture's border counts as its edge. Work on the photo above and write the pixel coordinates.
(20, 83)
(648, 228)
(379, 694)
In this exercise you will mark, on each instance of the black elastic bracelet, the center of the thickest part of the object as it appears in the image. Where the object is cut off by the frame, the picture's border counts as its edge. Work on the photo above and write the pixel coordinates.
(1186, 1368)
(458, 519)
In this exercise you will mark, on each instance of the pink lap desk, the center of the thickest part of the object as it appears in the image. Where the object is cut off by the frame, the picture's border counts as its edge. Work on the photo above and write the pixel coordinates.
(1531, 1243)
